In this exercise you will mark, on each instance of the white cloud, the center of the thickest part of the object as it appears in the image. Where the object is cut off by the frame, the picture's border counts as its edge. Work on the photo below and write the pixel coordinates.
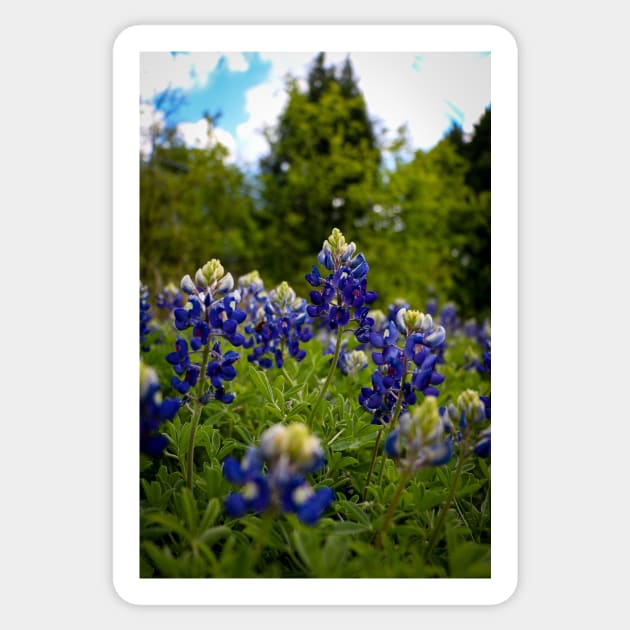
(416, 89)
(236, 62)
(162, 70)
(199, 135)
(399, 88)
(263, 104)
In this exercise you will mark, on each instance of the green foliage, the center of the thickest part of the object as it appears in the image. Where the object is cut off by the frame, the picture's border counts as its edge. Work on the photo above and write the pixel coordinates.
(425, 219)
(186, 533)
(423, 223)
(192, 203)
(322, 166)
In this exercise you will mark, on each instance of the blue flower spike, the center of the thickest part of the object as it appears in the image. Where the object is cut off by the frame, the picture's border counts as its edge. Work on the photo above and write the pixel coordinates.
(468, 420)
(153, 412)
(277, 326)
(213, 314)
(342, 296)
(273, 475)
(421, 439)
(407, 343)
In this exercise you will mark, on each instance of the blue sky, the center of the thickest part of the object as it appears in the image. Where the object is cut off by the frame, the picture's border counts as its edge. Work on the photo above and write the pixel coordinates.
(425, 91)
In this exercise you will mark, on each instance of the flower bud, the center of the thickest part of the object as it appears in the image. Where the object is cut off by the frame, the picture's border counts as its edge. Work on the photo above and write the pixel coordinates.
(283, 295)
(200, 279)
(471, 405)
(297, 433)
(274, 441)
(408, 320)
(337, 242)
(251, 279)
(226, 283)
(436, 338)
(354, 361)
(148, 378)
(426, 420)
(349, 253)
(426, 323)
(212, 271)
(379, 318)
(187, 285)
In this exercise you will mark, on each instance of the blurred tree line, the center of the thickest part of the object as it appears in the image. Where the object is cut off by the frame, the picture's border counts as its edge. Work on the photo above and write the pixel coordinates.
(423, 221)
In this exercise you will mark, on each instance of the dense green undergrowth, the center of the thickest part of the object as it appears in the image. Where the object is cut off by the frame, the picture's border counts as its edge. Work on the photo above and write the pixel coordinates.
(186, 532)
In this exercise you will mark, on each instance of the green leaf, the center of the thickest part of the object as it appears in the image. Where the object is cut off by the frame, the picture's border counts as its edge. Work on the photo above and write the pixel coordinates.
(171, 523)
(347, 528)
(350, 509)
(261, 382)
(470, 560)
(210, 514)
(212, 534)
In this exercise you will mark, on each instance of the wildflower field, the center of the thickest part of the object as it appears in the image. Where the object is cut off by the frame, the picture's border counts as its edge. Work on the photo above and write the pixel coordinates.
(329, 435)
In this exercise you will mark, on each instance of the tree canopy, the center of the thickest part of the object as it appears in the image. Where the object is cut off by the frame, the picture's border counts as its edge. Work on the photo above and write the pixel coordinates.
(423, 223)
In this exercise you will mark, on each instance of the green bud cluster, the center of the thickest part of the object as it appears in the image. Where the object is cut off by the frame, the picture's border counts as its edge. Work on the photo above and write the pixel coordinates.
(294, 442)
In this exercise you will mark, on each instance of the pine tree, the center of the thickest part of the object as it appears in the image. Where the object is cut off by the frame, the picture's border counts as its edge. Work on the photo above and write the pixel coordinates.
(322, 165)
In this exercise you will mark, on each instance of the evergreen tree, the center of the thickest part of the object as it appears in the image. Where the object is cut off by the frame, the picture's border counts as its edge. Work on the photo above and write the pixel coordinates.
(322, 167)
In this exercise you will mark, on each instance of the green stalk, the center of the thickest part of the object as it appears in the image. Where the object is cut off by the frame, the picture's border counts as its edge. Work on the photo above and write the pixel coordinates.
(449, 499)
(394, 419)
(333, 367)
(195, 417)
(392, 507)
(369, 475)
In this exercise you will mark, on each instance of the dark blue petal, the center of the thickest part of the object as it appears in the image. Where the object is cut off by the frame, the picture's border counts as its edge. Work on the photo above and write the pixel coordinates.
(229, 326)
(392, 445)
(235, 505)
(436, 379)
(173, 358)
(431, 391)
(378, 358)
(232, 471)
(169, 408)
(377, 340)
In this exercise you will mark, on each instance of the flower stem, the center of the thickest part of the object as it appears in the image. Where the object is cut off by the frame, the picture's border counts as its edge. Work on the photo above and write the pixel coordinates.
(267, 520)
(392, 507)
(195, 417)
(395, 415)
(369, 475)
(449, 499)
(333, 367)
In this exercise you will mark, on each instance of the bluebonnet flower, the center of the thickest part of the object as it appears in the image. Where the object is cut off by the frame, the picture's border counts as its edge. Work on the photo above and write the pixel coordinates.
(351, 362)
(253, 296)
(431, 307)
(255, 495)
(420, 440)
(273, 475)
(481, 334)
(213, 314)
(342, 296)
(278, 326)
(407, 345)
(169, 298)
(467, 420)
(153, 412)
(145, 318)
(392, 309)
(482, 447)
(449, 319)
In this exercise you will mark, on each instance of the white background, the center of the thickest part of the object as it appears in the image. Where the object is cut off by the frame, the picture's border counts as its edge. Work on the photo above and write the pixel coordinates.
(55, 253)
